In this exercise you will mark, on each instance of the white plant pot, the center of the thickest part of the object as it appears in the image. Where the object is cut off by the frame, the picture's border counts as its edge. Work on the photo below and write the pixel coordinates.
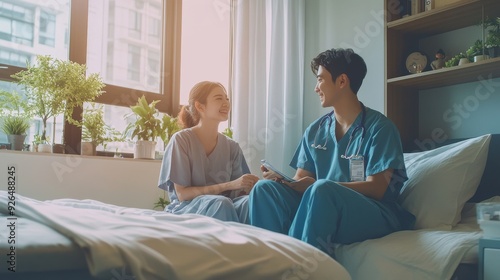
(463, 61)
(480, 57)
(144, 149)
(44, 148)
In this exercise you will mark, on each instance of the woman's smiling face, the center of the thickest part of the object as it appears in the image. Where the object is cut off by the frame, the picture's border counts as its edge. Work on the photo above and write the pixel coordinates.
(217, 106)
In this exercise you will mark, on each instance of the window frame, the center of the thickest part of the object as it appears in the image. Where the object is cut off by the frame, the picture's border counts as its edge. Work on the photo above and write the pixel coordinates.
(118, 95)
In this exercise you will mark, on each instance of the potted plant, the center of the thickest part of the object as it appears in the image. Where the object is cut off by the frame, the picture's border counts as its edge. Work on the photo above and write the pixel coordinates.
(475, 52)
(15, 127)
(458, 59)
(15, 114)
(55, 87)
(39, 145)
(492, 41)
(146, 128)
(95, 131)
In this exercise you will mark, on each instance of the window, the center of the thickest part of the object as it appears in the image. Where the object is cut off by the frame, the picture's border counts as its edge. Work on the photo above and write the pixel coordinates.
(124, 43)
(14, 57)
(153, 69)
(47, 29)
(16, 23)
(134, 63)
(205, 45)
(135, 24)
(19, 23)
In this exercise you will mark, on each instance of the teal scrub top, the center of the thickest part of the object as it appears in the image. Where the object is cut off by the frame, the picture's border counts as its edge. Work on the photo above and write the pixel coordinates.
(381, 149)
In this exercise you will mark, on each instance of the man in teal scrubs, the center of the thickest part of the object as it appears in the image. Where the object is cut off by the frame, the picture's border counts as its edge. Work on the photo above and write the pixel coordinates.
(350, 168)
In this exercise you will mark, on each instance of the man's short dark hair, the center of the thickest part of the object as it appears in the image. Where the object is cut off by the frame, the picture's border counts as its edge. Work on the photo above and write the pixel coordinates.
(342, 61)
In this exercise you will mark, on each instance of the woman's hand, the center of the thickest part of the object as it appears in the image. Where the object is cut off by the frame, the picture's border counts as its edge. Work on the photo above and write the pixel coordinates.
(245, 182)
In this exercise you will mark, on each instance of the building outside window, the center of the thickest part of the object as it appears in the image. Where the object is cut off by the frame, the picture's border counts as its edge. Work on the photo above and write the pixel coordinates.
(124, 44)
(47, 29)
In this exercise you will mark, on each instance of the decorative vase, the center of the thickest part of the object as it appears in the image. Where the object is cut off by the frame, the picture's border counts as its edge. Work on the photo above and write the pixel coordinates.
(144, 149)
(16, 142)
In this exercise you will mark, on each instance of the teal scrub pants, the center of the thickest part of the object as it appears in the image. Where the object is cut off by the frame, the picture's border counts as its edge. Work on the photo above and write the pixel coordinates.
(327, 213)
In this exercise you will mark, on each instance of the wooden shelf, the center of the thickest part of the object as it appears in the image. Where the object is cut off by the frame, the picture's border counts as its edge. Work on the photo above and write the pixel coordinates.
(447, 18)
(470, 72)
(403, 35)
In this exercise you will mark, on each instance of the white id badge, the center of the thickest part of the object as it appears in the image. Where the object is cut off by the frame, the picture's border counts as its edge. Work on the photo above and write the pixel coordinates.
(357, 167)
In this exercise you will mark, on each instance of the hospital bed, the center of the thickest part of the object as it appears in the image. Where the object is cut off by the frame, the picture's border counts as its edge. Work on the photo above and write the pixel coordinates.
(88, 239)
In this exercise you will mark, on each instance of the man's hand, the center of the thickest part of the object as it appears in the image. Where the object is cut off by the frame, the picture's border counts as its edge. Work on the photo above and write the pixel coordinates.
(269, 174)
(300, 185)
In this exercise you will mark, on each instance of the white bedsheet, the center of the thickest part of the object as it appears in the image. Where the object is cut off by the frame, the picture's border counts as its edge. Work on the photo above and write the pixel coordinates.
(427, 254)
(158, 245)
(419, 254)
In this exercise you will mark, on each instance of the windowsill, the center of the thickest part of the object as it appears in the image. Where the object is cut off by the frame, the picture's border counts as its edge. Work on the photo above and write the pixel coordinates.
(120, 181)
(101, 156)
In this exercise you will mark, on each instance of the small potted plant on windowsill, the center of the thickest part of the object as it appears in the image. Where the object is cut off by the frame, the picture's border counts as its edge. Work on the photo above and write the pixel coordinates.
(146, 128)
(55, 87)
(95, 131)
(16, 117)
(15, 128)
(41, 146)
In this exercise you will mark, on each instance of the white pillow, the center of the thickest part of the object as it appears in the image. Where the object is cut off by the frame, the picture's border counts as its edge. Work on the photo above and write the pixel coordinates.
(440, 181)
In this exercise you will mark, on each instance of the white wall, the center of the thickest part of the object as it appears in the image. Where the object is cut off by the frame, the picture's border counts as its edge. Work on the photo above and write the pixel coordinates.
(124, 182)
(355, 24)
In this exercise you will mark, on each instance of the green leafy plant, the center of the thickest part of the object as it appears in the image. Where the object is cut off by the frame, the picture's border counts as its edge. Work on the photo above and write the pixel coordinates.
(95, 130)
(454, 60)
(492, 25)
(37, 139)
(15, 125)
(169, 126)
(15, 112)
(54, 87)
(147, 125)
(228, 132)
(476, 49)
(162, 202)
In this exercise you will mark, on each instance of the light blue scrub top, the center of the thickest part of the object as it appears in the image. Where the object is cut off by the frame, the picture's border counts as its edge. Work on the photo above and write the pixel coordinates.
(381, 149)
(185, 163)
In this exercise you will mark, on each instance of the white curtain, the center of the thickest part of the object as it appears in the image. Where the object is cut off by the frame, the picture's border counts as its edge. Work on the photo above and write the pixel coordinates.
(267, 80)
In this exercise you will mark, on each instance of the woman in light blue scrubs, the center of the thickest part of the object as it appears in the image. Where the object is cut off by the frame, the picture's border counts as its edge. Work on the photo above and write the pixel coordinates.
(203, 171)
(350, 168)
